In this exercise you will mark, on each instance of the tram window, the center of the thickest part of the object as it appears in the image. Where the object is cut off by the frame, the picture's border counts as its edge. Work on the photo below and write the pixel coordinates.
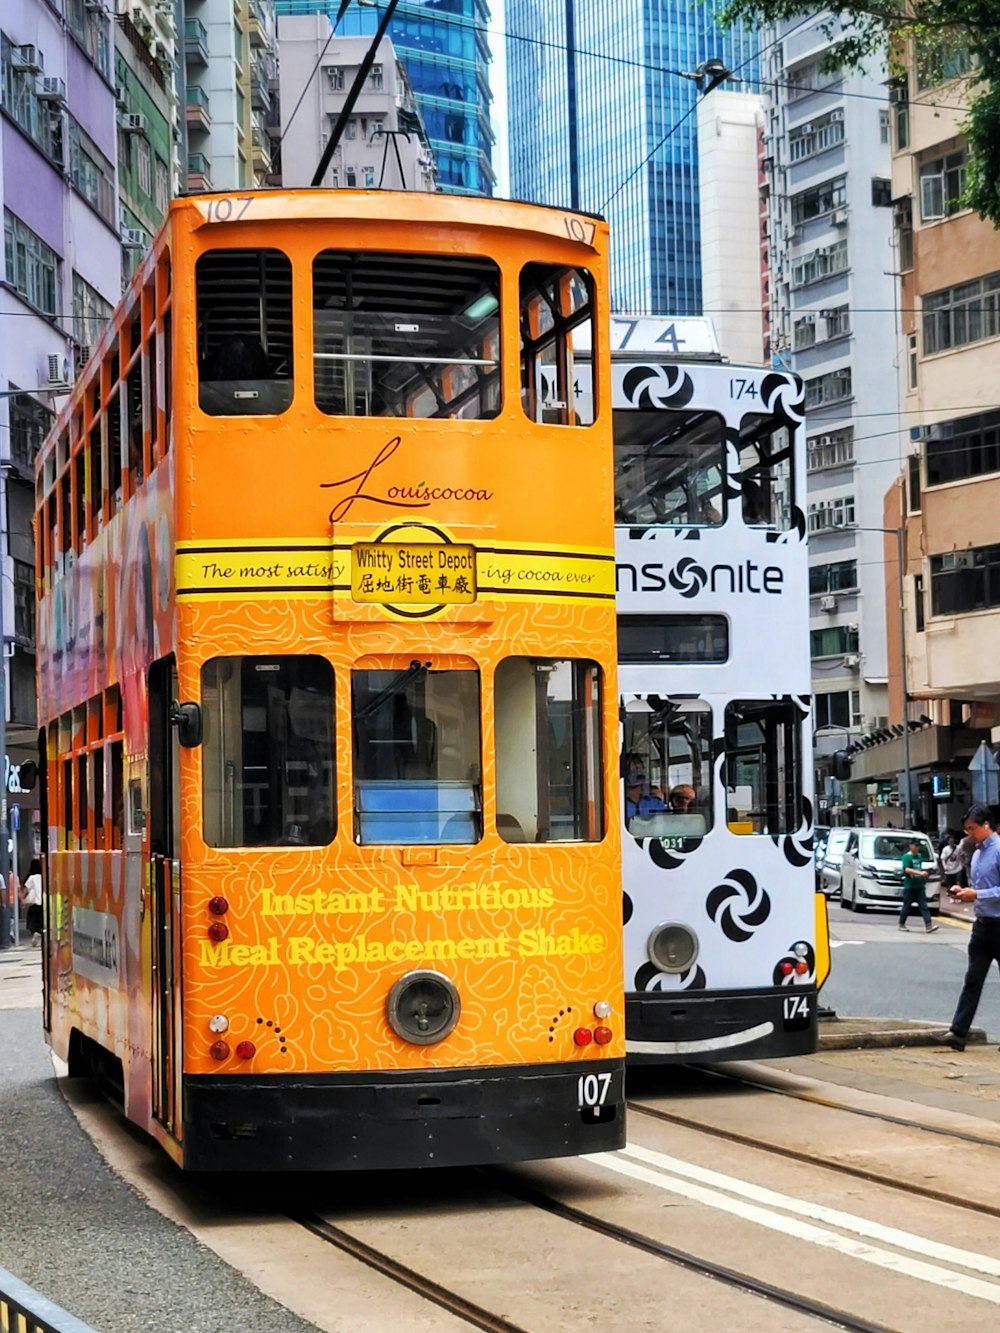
(680, 638)
(417, 769)
(244, 332)
(134, 423)
(403, 335)
(117, 801)
(557, 324)
(669, 468)
(763, 767)
(268, 752)
(548, 750)
(668, 768)
(766, 472)
(136, 807)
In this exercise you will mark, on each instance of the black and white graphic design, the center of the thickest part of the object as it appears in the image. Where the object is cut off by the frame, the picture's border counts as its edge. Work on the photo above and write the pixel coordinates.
(649, 979)
(739, 905)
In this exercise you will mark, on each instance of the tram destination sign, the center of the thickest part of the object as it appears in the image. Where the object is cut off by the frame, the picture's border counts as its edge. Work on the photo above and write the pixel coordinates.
(406, 573)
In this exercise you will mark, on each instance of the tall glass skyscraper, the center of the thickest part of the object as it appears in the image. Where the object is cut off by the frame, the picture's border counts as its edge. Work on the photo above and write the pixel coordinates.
(597, 109)
(443, 45)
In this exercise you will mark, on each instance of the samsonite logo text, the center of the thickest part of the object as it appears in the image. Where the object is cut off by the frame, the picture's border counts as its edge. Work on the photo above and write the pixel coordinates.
(689, 578)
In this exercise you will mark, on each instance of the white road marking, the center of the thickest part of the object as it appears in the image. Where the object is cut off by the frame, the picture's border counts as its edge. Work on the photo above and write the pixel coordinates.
(806, 1231)
(839, 944)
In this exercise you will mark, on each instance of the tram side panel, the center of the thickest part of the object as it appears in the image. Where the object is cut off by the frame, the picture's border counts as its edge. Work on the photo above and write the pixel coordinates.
(720, 927)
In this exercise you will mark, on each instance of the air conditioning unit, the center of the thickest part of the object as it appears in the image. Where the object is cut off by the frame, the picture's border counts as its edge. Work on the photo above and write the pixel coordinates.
(81, 355)
(881, 722)
(828, 603)
(134, 238)
(130, 123)
(850, 659)
(839, 217)
(50, 90)
(805, 128)
(58, 369)
(27, 59)
(121, 99)
(837, 113)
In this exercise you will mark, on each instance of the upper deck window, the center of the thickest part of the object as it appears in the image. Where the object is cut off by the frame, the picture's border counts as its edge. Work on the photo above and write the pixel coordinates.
(669, 468)
(766, 472)
(401, 335)
(557, 315)
(244, 332)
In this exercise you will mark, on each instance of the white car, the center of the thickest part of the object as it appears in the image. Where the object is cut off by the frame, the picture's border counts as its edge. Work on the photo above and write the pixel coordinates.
(871, 873)
(837, 845)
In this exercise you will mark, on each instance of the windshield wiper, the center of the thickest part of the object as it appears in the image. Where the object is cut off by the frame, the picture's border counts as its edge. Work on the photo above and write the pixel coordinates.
(414, 671)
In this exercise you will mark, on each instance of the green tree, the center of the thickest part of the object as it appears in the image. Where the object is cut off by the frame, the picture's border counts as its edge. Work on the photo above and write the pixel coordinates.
(949, 36)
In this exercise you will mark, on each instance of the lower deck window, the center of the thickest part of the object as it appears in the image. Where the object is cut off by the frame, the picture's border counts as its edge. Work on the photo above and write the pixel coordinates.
(548, 750)
(417, 772)
(668, 767)
(763, 766)
(268, 751)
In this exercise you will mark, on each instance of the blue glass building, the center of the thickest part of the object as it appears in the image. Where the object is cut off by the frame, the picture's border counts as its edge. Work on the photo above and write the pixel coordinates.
(443, 45)
(597, 121)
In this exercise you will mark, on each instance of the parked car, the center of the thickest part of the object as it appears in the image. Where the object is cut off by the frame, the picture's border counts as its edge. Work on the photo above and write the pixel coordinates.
(820, 834)
(871, 872)
(837, 843)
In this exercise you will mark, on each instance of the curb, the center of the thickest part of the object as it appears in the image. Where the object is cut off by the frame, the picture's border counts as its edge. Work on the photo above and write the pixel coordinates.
(884, 1038)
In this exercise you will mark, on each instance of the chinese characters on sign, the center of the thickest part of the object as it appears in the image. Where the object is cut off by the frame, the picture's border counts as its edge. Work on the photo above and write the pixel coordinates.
(388, 573)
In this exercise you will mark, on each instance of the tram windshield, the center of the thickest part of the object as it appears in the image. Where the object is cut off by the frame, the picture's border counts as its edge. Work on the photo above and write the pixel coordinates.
(417, 772)
(668, 767)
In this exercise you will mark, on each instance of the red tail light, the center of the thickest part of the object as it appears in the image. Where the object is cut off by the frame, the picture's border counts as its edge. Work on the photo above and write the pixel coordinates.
(218, 906)
(602, 1036)
(583, 1036)
(787, 969)
(246, 1050)
(218, 931)
(219, 1050)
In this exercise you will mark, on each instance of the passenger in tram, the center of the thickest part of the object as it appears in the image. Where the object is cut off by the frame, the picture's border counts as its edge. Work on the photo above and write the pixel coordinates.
(681, 798)
(639, 801)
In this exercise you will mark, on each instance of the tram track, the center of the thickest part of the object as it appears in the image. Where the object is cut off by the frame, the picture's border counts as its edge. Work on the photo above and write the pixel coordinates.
(504, 1181)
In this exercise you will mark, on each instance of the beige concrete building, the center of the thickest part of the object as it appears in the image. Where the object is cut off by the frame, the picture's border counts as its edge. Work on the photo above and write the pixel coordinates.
(949, 496)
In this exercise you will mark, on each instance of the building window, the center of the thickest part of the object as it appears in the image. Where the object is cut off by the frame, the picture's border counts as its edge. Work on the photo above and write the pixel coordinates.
(832, 709)
(90, 313)
(350, 177)
(91, 173)
(834, 449)
(89, 25)
(24, 603)
(368, 174)
(960, 315)
(839, 576)
(942, 184)
(913, 484)
(826, 515)
(161, 184)
(819, 264)
(816, 136)
(919, 613)
(351, 129)
(899, 101)
(833, 641)
(968, 447)
(375, 78)
(906, 247)
(821, 199)
(911, 361)
(41, 118)
(335, 78)
(30, 422)
(144, 165)
(939, 59)
(963, 581)
(832, 387)
(836, 322)
(805, 332)
(883, 126)
(881, 193)
(33, 269)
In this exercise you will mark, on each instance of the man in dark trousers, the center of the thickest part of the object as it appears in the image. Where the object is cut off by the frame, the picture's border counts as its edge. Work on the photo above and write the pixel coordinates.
(914, 886)
(984, 942)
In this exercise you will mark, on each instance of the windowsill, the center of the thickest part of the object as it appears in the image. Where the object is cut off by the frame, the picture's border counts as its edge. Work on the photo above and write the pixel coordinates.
(962, 347)
(828, 467)
(961, 481)
(950, 217)
(840, 592)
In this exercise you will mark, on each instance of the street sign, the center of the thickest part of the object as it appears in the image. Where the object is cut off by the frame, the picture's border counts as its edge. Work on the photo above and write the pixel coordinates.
(14, 816)
(985, 775)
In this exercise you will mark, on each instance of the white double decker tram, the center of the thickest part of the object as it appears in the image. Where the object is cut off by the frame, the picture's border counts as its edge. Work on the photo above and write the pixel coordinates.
(725, 941)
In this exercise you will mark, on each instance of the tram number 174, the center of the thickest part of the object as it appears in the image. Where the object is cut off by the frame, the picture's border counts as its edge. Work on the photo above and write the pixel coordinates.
(592, 1089)
(796, 1011)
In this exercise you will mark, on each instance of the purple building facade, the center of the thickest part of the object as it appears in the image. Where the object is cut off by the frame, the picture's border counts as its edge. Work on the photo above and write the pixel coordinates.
(60, 278)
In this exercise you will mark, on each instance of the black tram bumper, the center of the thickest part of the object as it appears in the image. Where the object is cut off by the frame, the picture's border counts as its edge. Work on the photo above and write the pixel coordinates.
(358, 1122)
(691, 1028)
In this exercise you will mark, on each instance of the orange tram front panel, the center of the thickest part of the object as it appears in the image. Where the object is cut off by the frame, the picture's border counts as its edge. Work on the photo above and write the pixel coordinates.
(327, 668)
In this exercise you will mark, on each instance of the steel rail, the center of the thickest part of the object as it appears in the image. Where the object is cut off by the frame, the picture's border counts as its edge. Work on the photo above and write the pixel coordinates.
(406, 1277)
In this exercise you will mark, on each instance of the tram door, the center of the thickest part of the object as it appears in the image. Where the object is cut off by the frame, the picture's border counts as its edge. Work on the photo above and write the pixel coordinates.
(164, 851)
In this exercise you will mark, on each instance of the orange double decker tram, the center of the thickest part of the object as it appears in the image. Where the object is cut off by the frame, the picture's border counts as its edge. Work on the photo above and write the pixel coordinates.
(326, 681)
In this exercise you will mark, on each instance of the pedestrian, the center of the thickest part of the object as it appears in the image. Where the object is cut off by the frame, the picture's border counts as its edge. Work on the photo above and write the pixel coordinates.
(966, 851)
(984, 941)
(951, 862)
(31, 899)
(915, 886)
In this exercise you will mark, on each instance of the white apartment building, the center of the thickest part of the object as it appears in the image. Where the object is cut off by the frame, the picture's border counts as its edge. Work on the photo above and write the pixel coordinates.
(383, 145)
(832, 295)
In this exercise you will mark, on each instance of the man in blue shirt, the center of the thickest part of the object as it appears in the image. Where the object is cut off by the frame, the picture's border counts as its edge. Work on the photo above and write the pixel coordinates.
(984, 942)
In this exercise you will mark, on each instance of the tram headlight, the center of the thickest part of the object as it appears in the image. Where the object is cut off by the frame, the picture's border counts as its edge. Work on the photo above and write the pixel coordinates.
(218, 1023)
(423, 1007)
(602, 1009)
(672, 947)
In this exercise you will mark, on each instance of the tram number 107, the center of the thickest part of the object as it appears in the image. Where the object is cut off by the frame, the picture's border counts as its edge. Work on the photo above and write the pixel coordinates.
(592, 1089)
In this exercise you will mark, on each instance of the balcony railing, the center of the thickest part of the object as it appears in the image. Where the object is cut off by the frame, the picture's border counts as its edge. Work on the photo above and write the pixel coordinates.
(199, 172)
(195, 42)
(197, 112)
